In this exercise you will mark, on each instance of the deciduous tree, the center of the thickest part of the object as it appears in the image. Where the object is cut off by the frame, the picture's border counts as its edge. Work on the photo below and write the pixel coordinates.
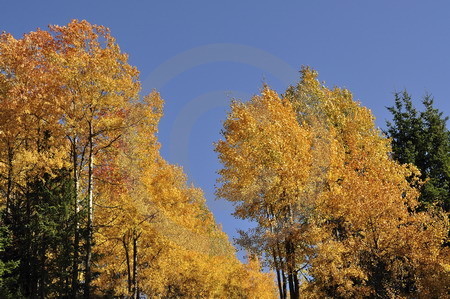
(267, 162)
(348, 212)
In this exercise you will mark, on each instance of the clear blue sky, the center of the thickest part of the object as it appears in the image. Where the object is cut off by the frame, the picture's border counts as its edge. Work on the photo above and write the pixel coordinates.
(200, 54)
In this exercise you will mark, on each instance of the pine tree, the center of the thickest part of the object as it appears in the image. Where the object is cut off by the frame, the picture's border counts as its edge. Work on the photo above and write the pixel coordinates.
(422, 138)
(8, 279)
(40, 228)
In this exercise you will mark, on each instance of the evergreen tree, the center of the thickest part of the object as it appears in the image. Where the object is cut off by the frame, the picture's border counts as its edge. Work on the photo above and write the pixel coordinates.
(422, 138)
(6, 266)
(38, 252)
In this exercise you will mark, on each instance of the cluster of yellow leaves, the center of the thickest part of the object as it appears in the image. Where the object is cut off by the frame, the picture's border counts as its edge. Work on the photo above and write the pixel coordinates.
(313, 170)
(181, 251)
(27, 110)
(267, 173)
(266, 157)
(373, 239)
(69, 100)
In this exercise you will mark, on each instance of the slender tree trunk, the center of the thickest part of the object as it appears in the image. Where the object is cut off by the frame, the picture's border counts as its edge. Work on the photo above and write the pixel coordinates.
(89, 229)
(292, 279)
(135, 265)
(291, 287)
(282, 272)
(296, 284)
(290, 260)
(275, 255)
(127, 257)
(9, 181)
(277, 269)
(76, 241)
(42, 279)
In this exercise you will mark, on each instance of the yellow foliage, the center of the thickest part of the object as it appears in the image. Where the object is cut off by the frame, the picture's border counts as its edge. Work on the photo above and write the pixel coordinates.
(373, 241)
(331, 204)
(181, 252)
(70, 101)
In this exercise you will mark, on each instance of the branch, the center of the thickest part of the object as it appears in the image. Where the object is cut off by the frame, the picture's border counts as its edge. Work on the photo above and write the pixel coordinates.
(108, 145)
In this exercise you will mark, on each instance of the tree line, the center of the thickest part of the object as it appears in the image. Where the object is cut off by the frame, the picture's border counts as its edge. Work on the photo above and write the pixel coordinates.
(89, 208)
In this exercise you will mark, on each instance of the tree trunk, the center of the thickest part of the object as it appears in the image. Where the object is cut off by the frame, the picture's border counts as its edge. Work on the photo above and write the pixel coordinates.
(277, 270)
(290, 262)
(76, 241)
(135, 264)
(296, 284)
(89, 228)
(9, 181)
(127, 257)
(282, 273)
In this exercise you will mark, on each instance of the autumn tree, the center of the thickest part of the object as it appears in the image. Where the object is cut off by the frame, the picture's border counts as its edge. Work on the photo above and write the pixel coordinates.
(125, 210)
(156, 235)
(374, 240)
(267, 160)
(31, 160)
(98, 86)
(358, 232)
(77, 140)
(57, 86)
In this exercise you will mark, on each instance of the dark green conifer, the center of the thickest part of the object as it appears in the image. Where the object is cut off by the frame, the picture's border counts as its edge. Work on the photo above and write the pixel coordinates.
(422, 138)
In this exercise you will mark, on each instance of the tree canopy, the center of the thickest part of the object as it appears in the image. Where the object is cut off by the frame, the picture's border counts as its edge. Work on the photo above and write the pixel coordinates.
(89, 206)
(337, 216)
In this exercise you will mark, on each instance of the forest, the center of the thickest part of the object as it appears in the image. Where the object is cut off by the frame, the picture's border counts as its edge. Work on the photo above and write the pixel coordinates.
(89, 208)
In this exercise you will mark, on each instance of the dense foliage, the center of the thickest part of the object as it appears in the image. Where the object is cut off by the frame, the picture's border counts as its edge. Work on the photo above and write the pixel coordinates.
(422, 138)
(89, 207)
(337, 216)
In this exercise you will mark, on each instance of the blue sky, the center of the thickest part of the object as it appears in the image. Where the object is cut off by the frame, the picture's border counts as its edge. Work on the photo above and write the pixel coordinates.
(201, 54)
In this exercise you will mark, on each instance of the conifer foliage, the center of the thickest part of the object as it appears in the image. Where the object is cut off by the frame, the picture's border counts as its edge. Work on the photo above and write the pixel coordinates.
(422, 138)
